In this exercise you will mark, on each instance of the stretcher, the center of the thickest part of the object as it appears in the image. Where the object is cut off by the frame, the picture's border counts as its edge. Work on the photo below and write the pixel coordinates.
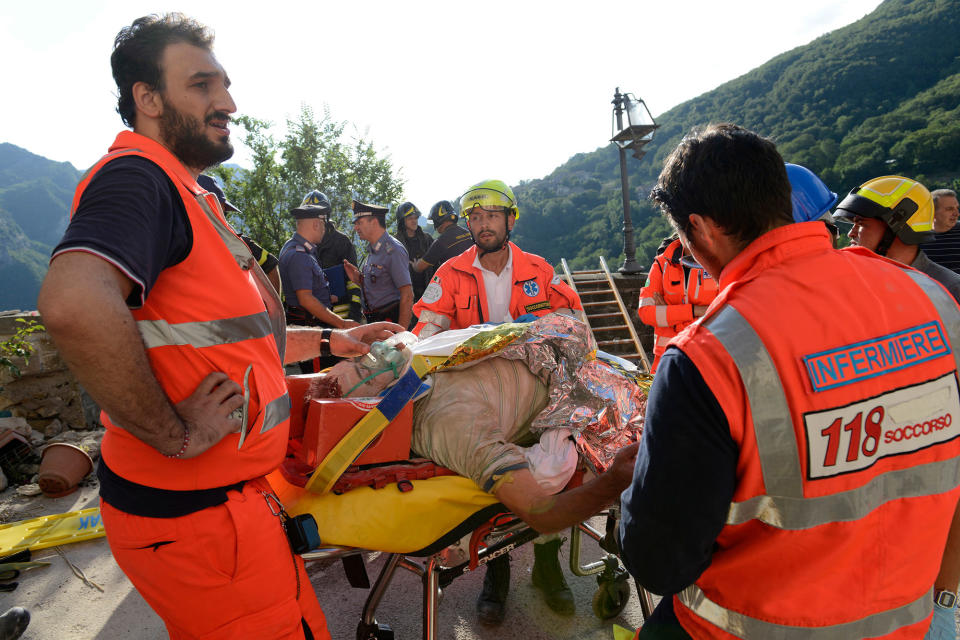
(439, 527)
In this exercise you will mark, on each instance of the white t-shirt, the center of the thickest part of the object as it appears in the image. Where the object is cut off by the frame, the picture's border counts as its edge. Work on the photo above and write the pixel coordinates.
(499, 288)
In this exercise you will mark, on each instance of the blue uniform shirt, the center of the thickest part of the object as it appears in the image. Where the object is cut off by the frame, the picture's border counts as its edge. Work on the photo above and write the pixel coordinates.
(683, 485)
(384, 272)
(299, 269)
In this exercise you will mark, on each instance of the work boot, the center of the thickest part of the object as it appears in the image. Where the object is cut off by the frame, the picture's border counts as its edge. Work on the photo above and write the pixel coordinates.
(493, 597)
(13, 623)
(548, 577)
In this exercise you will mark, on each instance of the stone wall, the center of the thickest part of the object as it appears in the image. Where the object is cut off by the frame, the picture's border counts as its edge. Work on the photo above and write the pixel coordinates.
(45, 403)
(46, 392)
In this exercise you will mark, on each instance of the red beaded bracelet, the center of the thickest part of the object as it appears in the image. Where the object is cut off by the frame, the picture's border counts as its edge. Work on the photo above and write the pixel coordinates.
(186, 442)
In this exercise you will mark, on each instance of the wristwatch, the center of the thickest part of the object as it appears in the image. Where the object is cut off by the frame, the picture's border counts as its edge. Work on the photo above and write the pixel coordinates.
(325, 342)
(945, 599)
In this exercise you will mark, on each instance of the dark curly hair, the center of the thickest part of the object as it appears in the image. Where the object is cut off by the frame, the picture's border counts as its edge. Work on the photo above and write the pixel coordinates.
(137, 51)
(729, 174)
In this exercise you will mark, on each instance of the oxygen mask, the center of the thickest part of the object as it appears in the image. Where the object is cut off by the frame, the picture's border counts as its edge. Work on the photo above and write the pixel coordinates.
(386, 362)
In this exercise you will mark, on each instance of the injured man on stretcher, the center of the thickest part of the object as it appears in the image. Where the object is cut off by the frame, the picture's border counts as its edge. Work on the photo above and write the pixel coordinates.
(514, 408)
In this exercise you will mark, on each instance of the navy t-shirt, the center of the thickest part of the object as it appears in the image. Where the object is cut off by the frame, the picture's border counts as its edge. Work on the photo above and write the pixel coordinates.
(683, 483)
(132, 216)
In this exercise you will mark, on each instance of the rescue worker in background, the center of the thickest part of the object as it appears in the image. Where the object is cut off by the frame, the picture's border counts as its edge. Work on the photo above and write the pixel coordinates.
(891, 216)
(267, 261)
(167, 321)
(416, 241)
(494, 281)
(385, 280)
(331, 252)
(791, 480)
(944, 249)
(307, 300)
(677, 292)
(452, 239)
(901, 206)
(811, 198)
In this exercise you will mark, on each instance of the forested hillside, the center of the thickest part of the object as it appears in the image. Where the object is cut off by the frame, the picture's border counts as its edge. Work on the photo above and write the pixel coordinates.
(35, 196)
(881, 95)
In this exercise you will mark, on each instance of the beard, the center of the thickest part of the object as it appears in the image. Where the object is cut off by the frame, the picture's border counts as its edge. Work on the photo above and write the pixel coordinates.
(491, 243)
(186, 139)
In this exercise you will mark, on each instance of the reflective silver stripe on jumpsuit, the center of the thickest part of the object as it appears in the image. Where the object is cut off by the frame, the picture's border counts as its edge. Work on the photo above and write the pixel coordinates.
(241, 253)
(276, 411)
(160, 333)
(785, 507)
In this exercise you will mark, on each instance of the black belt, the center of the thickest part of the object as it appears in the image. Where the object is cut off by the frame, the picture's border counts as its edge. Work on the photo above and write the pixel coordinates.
(150, 502)
(382, 310)
(299, 316)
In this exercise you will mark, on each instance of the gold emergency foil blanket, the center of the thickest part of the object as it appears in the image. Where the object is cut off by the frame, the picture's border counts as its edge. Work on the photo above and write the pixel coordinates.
(600, 397)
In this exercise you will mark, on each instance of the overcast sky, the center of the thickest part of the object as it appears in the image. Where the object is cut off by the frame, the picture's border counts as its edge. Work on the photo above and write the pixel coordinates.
(455, 92)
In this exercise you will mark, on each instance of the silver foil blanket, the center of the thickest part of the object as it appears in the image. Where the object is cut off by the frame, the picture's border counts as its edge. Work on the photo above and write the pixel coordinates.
(600, 397)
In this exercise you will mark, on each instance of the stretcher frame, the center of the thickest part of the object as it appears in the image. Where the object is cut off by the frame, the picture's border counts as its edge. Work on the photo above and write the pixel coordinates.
(501, 533)
(506, 533)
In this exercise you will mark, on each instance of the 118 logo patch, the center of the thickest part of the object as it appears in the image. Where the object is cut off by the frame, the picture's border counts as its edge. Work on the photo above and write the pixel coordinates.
(854, 437)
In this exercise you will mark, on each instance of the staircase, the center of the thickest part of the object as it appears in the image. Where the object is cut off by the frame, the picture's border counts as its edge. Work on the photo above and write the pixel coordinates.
(607, 317)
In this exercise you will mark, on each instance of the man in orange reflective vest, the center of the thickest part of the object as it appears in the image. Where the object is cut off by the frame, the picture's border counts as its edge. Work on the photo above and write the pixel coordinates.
(164, 316)
(494, 281)
(676, 293)
(800, 460)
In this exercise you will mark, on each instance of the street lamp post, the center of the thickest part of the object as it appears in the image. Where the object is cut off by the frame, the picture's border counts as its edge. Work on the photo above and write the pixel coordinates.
(637, 133)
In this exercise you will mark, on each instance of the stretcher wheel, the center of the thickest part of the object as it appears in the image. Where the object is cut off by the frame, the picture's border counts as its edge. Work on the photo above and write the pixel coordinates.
(375, 631)
(610, 598)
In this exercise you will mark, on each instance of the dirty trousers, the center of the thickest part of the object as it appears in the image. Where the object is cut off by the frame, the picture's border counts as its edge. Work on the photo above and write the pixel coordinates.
(225, 572)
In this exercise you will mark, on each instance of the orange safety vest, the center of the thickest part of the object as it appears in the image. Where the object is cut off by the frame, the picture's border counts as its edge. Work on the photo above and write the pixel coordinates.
(838, 378)
(456, 297)
(208, 313)
(680, 293)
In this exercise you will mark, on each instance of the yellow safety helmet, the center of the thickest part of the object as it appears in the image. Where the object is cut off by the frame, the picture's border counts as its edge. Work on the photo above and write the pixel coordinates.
(489, 193)
(903, 204)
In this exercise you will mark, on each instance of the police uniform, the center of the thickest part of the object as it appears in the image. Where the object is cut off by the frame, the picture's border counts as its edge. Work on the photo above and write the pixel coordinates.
(384, 271)
(300, 270)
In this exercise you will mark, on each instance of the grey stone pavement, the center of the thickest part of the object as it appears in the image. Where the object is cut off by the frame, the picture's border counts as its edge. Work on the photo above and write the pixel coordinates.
(63, 607)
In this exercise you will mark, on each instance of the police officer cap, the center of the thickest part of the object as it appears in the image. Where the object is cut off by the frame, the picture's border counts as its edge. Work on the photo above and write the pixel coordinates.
(363, 209)
(314, 205)
(207, 183)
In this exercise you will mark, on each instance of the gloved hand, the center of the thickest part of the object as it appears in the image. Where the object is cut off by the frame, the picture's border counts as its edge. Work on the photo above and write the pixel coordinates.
(527, 317)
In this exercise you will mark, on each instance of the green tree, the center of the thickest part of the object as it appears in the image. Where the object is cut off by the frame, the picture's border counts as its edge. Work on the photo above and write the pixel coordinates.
(315, 153)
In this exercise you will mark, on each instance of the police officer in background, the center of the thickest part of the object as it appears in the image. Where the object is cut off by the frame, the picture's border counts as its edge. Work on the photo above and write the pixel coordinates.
(451, 241)
(385, 281)
(416, 241)
(307, 298)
